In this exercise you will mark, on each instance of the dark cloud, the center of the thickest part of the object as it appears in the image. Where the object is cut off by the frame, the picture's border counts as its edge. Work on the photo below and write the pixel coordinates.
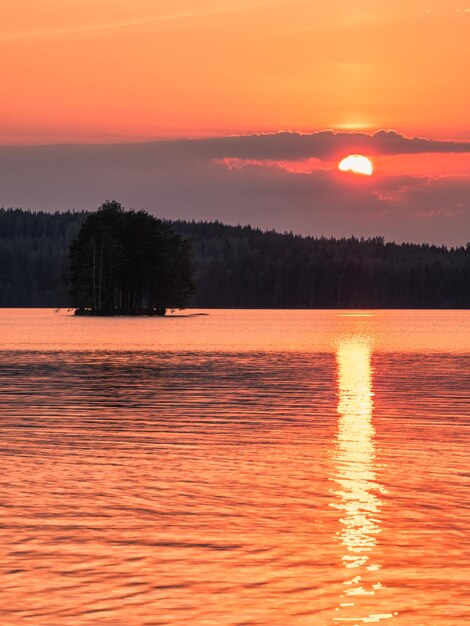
(181, 179)
(323, 145)
(270, 146)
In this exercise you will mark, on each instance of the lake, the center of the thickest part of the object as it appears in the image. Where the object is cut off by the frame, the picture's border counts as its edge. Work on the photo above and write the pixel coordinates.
(237, 468)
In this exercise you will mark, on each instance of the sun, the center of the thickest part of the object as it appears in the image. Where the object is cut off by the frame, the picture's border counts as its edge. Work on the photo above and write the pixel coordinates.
(357, 164)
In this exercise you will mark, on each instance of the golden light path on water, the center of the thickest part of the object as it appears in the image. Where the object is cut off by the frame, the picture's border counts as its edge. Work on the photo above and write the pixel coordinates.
(181, 471)
(358, 490)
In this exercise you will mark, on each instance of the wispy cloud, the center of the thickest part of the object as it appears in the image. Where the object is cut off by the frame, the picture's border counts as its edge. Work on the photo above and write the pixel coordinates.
(201, 9)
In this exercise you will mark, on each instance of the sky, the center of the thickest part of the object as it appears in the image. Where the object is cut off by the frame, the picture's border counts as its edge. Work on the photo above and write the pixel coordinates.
(240, 110)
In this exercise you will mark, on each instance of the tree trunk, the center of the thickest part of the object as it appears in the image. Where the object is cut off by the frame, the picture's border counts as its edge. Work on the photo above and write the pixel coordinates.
(100, 275)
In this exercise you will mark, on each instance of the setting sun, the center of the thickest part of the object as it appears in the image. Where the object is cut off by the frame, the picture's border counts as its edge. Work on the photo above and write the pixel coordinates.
(357, 164)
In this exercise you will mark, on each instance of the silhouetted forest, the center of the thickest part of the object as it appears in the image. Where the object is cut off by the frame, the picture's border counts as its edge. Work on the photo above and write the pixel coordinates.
(128, 263)
(239, 266)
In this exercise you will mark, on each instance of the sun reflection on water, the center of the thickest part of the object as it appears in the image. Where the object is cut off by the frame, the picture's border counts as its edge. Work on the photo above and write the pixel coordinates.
(358, 496)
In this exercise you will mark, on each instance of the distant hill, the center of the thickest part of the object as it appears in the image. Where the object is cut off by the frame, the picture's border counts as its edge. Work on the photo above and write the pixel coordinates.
(240, 266)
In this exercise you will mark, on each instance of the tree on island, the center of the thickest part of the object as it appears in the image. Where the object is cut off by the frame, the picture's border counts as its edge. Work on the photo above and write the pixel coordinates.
(128, 263)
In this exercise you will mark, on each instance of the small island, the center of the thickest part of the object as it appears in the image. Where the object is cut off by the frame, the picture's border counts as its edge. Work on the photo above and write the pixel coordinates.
(128, 263)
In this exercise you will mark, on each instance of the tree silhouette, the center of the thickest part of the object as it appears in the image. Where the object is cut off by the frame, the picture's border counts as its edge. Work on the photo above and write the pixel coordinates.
(128, 262)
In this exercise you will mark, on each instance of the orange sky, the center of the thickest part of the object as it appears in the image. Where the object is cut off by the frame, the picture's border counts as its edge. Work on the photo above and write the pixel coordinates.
(132, 71)
(112, 70)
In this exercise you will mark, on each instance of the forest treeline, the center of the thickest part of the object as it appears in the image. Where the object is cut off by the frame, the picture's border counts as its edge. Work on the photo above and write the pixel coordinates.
(240, 266)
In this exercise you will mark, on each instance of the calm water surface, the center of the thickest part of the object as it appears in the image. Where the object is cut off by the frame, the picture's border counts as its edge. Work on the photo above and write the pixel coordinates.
(244, 467)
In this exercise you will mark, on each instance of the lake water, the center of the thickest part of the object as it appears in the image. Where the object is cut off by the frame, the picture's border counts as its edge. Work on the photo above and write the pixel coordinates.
(239, 468)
